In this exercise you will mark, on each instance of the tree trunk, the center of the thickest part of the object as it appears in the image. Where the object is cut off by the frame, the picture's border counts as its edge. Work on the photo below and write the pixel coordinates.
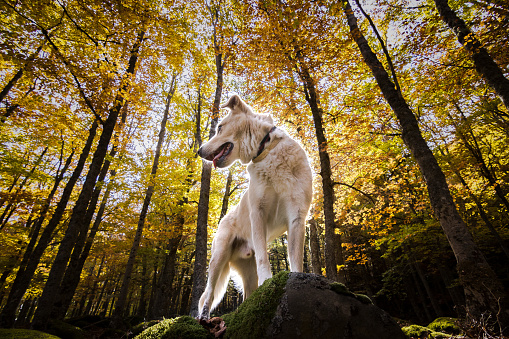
(85, 240)
(484, 63)
(314, 244)
(122, 296)
(78, 258)
(311, 94)
(482, 288)
(200, 260)
(76, 223)
(226, 196)
(163, 289)
(30, 262)
(11, 207)
(19, 74)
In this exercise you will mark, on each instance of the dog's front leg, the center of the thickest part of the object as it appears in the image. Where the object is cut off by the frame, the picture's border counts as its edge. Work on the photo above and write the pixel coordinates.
(259, 236)
(219, 273)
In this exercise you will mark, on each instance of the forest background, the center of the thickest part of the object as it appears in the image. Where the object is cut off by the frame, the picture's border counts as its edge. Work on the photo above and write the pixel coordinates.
(107, 210)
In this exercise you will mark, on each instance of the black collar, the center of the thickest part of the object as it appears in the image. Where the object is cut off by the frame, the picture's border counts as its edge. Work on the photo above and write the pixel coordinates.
(265, 140)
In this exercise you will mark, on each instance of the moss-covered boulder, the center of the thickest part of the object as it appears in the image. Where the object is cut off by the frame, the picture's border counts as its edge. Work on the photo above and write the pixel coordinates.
(445, 324)
(416, 331)
(176, 328)
(255, 314)
(299, 305)
(24, 334)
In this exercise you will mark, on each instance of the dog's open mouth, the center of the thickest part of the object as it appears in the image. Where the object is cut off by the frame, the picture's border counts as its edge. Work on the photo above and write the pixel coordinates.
(221, 153)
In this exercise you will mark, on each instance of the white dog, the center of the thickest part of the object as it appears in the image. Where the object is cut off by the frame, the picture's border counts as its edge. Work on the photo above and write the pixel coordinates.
(277, 200)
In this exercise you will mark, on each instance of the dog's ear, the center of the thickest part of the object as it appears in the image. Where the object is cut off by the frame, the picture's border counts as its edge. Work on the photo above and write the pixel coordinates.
(232, 102)
(237, 105)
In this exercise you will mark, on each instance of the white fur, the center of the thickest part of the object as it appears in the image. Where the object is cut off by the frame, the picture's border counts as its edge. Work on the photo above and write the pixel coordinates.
(277, 201)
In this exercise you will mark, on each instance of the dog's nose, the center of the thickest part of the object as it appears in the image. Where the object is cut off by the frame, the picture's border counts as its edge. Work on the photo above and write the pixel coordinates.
(199, 151)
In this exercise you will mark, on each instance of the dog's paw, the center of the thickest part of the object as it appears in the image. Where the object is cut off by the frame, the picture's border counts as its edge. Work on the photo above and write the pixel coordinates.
(204, 315)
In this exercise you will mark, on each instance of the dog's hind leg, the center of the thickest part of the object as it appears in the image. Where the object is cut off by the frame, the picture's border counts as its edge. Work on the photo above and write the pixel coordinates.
(296, 236)
(246, 269)
(219, 274)
(259, 237)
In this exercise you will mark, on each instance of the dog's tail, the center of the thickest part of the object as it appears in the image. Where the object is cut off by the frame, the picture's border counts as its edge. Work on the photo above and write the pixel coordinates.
(221, 285)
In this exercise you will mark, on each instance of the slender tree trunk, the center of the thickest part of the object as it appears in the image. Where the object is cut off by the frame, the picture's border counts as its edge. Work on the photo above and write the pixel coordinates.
(162, 299)
(122, 296)
(19, 74)
(11, 207)
(484, 63)
(30, 262)
(85, 240)
(314, 244)
(76, 223)
(331, 247)
(482, 288)
(78, 258)
(473, 147)
(200, 261)
(226, 196)
(482, 212)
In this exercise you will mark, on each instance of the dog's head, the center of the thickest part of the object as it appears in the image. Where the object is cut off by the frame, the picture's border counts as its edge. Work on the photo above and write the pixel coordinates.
(238, 135)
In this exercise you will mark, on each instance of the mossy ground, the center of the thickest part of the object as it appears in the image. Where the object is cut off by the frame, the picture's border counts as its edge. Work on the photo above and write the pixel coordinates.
(181, 327)
(24, 334)
(445, 324)
(251, 319)
(416, 331)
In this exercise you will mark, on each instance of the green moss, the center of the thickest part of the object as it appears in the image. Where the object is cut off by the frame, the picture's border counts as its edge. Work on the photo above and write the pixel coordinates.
(24, 334)
(254, 315)
(445, 324)
(181, 327)
(363, 298)
(65, 330)
(340, 288)
(143, 326)
(416, 331)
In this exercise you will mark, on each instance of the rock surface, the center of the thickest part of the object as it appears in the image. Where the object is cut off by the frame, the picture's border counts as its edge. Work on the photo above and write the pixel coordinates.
(313, 307)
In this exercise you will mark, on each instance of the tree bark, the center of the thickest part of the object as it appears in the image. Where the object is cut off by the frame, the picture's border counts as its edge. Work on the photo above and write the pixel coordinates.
(163, 288)
(122, 296)
(482, 288)
(226, 196)
(200, 261)
(314, 244)
(76, 223)
(484, 63)
(331, 247)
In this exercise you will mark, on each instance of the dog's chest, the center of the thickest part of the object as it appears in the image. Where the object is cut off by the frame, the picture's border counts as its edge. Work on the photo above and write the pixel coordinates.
(276, 175)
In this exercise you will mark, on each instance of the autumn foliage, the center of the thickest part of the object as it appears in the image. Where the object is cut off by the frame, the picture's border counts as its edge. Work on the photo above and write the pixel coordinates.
(75, 73)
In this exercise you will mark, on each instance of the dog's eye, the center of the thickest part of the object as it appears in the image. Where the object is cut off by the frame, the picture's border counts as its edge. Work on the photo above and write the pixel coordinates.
(219, 128)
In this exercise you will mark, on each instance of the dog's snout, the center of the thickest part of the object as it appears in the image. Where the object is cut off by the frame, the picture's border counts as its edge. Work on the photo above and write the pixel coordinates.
(199, 151)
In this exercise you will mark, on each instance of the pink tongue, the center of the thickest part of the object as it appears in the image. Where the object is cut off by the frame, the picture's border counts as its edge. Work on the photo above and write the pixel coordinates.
(218, 156)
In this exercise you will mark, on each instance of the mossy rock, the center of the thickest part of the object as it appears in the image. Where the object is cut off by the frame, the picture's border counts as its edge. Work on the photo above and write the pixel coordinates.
(24, 334)
(416, 331)
(254, 315)
(181, 327)
(135, 330)
(446, 325)
(65, 330)
(340, 288)
(302, 305)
